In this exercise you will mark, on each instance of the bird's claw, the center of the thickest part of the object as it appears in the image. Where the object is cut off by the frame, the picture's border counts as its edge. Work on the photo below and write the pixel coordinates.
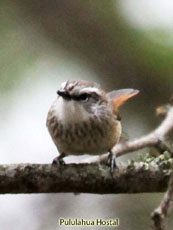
(58, 160)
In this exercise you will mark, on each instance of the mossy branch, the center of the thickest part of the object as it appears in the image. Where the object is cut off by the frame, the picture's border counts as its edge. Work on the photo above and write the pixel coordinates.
(150, 175)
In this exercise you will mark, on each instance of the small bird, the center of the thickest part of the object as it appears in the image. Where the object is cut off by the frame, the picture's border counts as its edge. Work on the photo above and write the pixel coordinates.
(85, 119)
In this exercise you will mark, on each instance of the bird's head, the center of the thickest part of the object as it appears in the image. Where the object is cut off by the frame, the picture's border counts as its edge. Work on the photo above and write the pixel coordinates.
(88, 96)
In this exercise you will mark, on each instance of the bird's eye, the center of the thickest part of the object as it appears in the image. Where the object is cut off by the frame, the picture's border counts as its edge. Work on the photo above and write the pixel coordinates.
(84, 97)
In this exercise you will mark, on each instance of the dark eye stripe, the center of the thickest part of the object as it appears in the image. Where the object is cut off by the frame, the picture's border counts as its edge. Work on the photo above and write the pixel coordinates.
(84, 96)
(80, 97)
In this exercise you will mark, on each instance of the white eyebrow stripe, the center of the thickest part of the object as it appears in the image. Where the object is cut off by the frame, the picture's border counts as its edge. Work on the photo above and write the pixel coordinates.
(90, 90)
(63, 85)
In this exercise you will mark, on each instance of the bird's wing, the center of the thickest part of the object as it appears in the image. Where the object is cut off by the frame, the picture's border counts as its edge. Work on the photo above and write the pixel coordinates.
(118, 97)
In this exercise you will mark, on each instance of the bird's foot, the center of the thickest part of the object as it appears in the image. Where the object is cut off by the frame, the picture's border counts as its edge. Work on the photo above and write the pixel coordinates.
(59, 160)
(112, 163)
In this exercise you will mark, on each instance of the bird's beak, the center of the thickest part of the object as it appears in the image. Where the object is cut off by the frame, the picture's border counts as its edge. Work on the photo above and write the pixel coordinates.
(64, 94)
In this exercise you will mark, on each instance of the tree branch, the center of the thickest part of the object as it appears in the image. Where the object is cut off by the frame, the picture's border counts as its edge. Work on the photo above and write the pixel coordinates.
(81, 178)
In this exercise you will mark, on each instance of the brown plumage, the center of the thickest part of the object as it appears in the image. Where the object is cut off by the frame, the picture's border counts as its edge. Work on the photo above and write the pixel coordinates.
(85, 119)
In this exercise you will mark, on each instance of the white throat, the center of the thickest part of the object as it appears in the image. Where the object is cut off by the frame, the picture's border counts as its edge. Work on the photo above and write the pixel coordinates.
(69, 111)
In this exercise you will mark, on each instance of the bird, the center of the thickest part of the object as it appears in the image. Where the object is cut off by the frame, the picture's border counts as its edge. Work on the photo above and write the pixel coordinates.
(84, 119)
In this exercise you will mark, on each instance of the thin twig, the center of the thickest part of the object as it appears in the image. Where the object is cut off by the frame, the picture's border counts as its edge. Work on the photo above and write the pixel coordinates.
(161, 212)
